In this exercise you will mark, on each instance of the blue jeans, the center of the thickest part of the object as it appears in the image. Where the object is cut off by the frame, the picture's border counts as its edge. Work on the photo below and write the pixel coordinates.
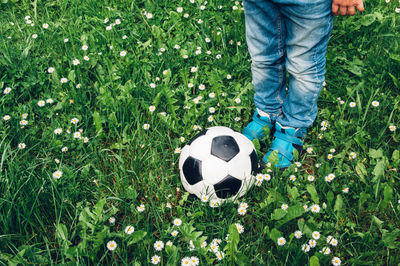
(292, 36)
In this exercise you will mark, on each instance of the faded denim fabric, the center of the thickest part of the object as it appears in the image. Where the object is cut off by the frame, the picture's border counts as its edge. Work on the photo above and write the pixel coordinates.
(292, 36)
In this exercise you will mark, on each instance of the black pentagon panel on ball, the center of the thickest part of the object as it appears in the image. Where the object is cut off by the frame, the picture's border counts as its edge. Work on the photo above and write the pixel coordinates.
(254, 161)
(227, 187)
(201, 133)
(224, 147)
(192, 170)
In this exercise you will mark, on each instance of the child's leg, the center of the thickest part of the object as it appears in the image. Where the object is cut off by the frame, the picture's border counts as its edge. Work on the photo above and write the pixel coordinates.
(308, 26)
(265, 35)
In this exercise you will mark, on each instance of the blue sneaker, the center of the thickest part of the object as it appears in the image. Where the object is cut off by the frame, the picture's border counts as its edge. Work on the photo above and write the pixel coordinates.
(286, 139)
(254, 130)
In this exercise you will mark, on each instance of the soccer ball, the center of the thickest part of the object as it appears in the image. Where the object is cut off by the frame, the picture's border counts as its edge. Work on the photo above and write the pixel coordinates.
(218, 164)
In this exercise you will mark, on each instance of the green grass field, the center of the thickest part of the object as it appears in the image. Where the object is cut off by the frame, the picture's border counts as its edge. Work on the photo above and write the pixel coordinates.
(98, 97)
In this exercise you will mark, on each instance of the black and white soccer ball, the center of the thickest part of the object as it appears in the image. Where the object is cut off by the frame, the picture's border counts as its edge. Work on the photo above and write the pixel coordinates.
(217, 164)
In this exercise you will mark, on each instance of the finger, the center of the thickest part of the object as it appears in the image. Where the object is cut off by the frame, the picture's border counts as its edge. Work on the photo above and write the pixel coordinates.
(343, 10)
(360, 5)
(335, 9)
(351, 10)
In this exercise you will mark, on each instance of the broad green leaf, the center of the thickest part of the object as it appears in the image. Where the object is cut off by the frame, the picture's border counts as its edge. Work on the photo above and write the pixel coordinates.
(136, 237)
(97, 122)
(396, 156)
(296, 154)
(389, 239)
(338, 203)
(62, 232)
(266, 230)
(233, 240)
(184, 198)
(301, 224)
(368, 19)
(361, 171)
(266, 131)
(313, 192)
(278, 214)
(375, 153)
(293, 192)
(314, 261)
(275, 234)
(273, 158)
(71, 76)
(377, 221)
(98, 240)
(172, 253)
(293, 212)
(379, 170)
(98, 208)
(395, 57)
(387, 196)
(256, 143)
(330, 197)
(363, 198)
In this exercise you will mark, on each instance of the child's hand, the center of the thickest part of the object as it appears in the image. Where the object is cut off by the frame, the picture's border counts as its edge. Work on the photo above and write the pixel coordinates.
(347, 7)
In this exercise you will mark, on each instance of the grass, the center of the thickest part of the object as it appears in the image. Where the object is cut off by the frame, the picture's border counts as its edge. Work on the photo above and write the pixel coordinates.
(45, 220)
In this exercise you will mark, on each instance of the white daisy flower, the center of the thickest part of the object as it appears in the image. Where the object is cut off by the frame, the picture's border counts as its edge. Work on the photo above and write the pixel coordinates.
(336, 261)
(177, 222)
(159, 245)
(242, 211)
(298, 234)
(111, 245)
(111, 220)
(141, 208)
(326, 251)
(281, 241)
(315, 208)
(204, 198)
(129, 229)
(316, 235)
(155, 259)
(77, 135)
(375, 103)
(240, 228)
(305, 247)
(21, 146)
